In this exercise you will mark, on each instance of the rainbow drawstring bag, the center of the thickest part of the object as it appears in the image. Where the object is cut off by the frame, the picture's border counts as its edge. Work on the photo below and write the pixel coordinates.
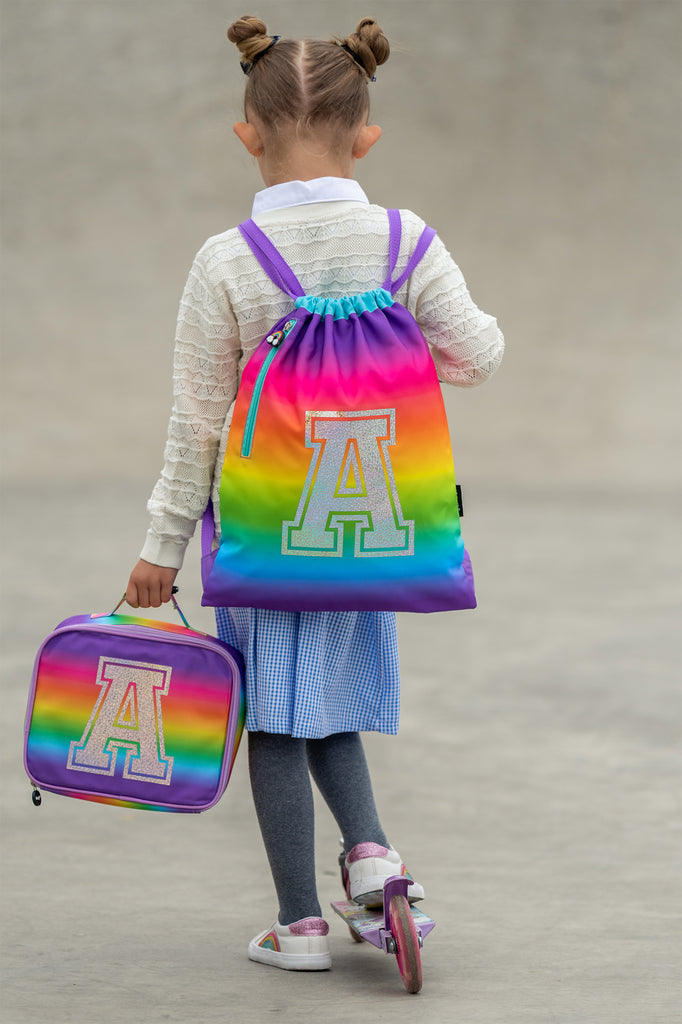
(338, 489)
(133, 712)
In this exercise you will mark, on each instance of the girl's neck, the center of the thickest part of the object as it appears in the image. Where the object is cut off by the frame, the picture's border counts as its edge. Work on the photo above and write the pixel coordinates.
(298, 164)
(296, 159)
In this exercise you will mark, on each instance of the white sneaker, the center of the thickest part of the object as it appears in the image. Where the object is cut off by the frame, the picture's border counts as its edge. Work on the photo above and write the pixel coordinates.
(368, 865)
(301, 946)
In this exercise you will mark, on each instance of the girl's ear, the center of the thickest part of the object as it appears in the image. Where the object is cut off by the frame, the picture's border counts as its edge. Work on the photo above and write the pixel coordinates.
(365, 139)
(249, 137)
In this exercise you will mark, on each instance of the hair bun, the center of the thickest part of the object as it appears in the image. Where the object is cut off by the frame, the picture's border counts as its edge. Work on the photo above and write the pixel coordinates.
(370, 44)
(250, 36)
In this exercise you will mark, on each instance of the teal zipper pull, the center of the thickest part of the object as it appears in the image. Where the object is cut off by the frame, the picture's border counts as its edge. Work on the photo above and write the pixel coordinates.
(274, 340)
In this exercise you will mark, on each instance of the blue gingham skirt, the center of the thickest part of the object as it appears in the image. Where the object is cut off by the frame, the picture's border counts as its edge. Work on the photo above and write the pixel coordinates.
(311, 674)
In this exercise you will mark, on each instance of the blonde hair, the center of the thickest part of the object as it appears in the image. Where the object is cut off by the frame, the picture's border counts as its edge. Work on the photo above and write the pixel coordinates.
(308, 83)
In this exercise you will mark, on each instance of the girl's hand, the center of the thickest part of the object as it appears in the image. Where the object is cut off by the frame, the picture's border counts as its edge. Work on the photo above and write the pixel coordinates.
(150, 585)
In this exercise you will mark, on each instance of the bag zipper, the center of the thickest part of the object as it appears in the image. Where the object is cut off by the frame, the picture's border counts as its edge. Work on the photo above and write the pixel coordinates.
(274, 340)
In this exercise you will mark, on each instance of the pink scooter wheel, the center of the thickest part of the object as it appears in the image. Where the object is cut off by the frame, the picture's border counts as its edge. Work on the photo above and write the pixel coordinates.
(407, 944)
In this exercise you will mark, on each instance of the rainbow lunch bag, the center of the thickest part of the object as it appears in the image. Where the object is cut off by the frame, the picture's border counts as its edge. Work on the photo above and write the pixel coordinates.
(129, 711)
(338, 489)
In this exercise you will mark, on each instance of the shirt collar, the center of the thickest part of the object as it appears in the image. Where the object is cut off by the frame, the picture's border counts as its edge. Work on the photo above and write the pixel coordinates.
(301, 193)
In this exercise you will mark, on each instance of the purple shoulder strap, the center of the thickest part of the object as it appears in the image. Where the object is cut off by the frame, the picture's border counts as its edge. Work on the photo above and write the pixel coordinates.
(395, 232)
(270, 259)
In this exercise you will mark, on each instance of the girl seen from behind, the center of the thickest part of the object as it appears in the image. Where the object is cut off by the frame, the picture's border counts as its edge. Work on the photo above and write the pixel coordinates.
(314, 679)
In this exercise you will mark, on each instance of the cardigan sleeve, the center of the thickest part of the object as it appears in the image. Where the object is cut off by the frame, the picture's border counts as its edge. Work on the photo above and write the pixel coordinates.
(205, 379)
(466, 343)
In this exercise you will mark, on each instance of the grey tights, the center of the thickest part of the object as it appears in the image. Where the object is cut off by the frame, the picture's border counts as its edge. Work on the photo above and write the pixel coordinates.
(280, 768)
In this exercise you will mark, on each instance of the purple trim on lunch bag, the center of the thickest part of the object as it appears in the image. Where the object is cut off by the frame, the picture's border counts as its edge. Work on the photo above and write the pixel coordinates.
(274, 265)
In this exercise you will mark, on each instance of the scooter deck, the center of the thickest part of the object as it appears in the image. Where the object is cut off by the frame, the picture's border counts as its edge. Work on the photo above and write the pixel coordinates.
(370, 922)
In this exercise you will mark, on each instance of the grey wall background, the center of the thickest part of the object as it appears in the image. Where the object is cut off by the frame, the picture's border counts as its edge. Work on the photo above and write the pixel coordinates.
(534, 786)
(540, 137)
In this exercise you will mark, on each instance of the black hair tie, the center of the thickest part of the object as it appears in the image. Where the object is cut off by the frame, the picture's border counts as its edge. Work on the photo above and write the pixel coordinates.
(358, 60)
(247, 66)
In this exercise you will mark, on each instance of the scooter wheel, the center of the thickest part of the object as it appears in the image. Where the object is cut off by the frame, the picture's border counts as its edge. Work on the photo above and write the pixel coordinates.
(407, 943)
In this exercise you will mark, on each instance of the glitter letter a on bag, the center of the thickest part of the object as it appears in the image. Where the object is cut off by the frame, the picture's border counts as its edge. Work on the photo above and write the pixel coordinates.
(127, 715)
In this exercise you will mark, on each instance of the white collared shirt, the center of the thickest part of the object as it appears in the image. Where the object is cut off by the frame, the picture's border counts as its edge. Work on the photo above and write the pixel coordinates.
(301, 193)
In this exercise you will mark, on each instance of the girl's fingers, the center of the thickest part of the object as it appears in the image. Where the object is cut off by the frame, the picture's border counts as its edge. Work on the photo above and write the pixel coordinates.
(149, 585)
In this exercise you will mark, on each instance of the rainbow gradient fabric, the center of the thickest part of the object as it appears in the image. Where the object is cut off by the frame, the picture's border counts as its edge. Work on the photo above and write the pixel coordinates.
(338, 488)
(133, 712)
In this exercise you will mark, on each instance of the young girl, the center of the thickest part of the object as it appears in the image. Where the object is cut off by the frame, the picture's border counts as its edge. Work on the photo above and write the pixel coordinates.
(314, 680)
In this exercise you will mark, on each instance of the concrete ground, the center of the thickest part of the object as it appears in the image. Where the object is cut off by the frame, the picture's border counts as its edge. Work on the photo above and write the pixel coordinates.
(534, 786)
